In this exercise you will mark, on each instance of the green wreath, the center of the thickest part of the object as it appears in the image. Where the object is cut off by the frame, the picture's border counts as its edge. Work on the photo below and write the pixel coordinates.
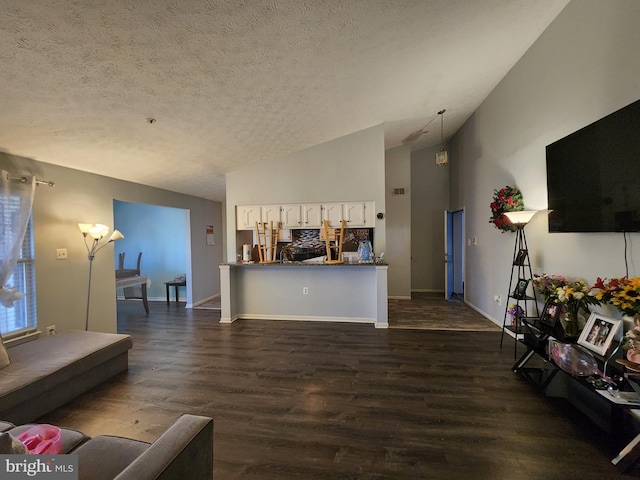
(507, 199)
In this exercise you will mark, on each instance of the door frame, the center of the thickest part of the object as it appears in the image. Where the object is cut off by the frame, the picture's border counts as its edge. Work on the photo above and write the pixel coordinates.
(453, 242)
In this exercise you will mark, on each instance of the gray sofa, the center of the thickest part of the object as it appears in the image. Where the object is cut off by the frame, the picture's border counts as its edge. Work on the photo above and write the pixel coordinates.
(48, 372)
(183, 451)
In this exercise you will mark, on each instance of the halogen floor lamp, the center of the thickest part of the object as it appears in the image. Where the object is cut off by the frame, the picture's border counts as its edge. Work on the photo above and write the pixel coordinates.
(97, 232)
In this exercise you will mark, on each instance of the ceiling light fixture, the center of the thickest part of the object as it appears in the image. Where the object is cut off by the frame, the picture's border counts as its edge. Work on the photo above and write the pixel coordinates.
(442, 158)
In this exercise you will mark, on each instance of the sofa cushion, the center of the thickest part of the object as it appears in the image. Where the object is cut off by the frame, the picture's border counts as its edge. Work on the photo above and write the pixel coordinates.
(104, 457)
(70, 438)
(4, 356)
(41, 365)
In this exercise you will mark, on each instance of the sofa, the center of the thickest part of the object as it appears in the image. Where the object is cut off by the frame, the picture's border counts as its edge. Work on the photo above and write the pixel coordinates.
(183, 451)
(47, 372)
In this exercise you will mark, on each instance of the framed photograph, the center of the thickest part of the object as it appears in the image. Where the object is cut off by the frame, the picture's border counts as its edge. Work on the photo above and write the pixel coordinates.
(520, 257)
(551, 313)
(521, 288)
(598, 333)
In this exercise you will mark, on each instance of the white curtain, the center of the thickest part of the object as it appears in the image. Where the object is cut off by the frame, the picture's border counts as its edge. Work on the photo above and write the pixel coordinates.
(16, 200)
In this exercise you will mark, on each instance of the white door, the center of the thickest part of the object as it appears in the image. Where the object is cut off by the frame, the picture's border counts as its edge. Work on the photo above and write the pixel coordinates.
(448, 254)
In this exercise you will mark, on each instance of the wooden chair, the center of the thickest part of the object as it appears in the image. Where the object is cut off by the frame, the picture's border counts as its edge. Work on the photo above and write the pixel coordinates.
(333, 241)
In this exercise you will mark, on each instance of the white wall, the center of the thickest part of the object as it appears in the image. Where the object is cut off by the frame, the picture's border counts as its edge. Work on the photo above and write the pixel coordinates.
(398, 221)
(429, 200)
(584, 66)
(350, 168)
(80, 197)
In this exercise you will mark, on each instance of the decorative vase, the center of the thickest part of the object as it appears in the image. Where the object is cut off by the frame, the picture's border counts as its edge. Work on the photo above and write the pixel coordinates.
(573, 320)
(633, 356)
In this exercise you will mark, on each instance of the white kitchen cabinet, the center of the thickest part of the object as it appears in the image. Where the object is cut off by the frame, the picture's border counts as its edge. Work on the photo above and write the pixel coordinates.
(291, 216)
(311, 215)
(359, 214)
(247, 216)
(271, 213)
(333, 213)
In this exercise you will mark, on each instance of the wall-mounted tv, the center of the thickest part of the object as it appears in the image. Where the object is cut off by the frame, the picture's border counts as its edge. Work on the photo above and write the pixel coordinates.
(593, 176)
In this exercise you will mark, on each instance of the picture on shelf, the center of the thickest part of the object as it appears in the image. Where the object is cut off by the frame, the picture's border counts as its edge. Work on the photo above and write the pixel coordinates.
(598, 333)
(551, 312)
(520, 257)
(521, 288)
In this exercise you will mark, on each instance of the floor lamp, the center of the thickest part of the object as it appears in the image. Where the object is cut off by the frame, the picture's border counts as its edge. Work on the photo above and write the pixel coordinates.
(520, 264)
(97, 232)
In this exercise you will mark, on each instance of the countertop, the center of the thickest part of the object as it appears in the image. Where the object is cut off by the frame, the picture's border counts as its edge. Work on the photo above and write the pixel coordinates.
(305, 264)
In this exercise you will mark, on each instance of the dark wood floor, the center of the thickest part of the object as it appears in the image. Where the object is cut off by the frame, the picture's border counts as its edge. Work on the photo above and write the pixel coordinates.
(298, 400)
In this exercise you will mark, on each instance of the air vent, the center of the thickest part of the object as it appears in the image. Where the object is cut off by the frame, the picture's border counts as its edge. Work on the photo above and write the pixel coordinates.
(398, 191)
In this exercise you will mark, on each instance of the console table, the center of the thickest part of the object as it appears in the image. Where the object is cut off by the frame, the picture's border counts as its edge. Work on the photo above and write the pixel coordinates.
(175, 285)
(615, 418)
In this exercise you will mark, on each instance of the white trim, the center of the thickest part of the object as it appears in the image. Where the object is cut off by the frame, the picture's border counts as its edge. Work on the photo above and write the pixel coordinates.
(484, 314)
(399, 297)
(205, 300)
(427, 290)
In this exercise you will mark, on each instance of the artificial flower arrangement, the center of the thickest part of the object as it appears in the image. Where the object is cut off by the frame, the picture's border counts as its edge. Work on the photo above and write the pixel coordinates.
(624, 294)
(516, 312)
(507, 199)
(574, 295)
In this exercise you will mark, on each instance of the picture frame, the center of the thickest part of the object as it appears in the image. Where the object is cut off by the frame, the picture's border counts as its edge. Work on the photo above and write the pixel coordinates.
(551, 313)
(520, 257)
(521, 288)
(598, 333)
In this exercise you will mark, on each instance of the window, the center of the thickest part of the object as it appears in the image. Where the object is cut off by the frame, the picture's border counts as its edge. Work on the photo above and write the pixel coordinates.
(21, 318)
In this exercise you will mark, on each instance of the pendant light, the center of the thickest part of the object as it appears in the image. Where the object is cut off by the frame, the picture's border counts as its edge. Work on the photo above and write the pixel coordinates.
(442, 158)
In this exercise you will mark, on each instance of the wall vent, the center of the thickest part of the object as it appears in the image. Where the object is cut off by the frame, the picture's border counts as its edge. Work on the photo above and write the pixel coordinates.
(398, 191)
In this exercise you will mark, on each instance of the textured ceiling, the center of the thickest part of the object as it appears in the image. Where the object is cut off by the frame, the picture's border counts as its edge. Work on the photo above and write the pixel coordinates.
(233, 82)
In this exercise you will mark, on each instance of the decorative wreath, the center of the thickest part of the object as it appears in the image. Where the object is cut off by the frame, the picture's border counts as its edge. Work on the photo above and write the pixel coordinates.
(507, 199)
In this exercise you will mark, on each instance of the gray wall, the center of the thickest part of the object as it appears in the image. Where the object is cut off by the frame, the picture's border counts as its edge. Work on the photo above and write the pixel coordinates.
(584, 66)
(429, 200)
(398, 221)
(81, 197)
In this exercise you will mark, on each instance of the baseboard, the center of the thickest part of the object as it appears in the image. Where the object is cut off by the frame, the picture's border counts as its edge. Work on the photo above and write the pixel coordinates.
(399, 297)
(427, 290)
(205, 300)
(484, 314)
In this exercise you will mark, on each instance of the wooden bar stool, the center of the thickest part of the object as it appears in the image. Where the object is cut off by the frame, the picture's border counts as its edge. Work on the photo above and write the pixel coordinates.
(333, 241)
(267, 241)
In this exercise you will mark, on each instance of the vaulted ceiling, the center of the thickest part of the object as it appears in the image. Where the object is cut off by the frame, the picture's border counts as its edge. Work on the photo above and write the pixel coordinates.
(230, 82)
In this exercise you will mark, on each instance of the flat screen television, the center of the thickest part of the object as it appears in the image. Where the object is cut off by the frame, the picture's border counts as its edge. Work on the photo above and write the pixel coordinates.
(593, 176)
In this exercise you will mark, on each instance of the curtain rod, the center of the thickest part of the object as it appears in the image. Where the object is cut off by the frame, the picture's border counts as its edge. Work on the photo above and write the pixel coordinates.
(38, 182)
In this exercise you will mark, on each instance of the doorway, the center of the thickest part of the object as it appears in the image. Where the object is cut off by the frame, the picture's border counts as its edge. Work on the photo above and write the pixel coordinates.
(454, 254)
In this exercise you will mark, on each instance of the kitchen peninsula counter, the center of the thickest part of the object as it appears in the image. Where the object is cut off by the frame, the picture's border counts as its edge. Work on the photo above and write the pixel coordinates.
(343, 292)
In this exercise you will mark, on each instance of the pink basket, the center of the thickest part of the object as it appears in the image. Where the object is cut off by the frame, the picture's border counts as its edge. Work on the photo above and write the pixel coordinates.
(42, 439)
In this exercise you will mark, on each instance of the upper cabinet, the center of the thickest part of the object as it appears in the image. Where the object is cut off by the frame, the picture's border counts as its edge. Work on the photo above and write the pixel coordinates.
(333, 213)
(247, 216)
(291, 216)
(359, 214)
(271, 213)
(311, 215)
(307, 215)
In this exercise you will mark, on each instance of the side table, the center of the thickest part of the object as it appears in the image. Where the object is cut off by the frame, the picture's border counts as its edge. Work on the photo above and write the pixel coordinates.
(175, 285)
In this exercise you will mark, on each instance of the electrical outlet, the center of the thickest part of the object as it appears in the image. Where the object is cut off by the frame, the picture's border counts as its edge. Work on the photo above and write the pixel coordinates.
(61, 253)
(497, 299)
(474, 240)
(51, 330)
(305, 290)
